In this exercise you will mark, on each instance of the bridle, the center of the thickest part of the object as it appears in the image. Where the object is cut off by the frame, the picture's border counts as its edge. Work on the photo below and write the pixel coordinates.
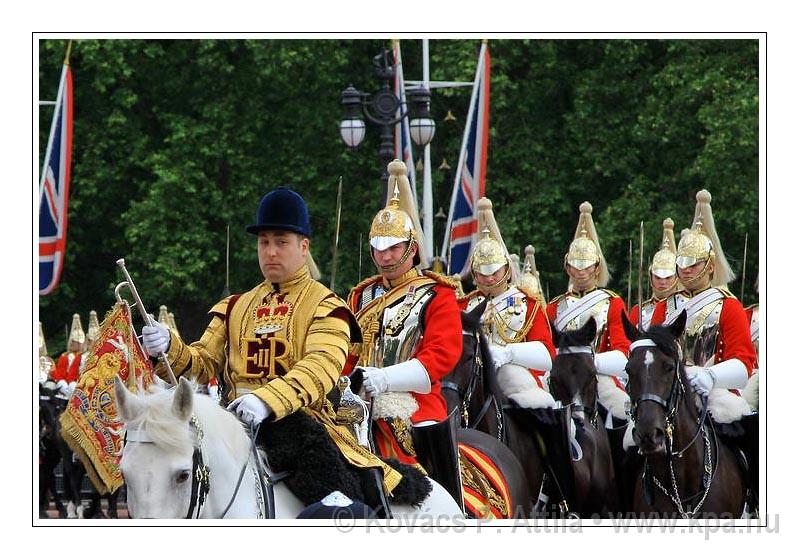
(591, 412)
(670, 406)
(201, 474)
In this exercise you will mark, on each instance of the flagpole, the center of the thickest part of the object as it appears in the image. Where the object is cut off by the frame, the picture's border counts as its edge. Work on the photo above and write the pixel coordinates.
(56, 114)
(462, 154)
(427, 183)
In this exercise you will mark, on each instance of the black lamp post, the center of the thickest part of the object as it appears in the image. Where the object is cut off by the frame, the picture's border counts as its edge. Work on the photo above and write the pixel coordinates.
(384, 109)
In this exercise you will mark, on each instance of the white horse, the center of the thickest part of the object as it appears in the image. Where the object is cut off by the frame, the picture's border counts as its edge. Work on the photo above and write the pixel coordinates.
(159, 462)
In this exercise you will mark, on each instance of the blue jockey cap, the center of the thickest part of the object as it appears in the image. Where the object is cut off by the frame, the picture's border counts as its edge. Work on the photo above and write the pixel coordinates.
(282, 209)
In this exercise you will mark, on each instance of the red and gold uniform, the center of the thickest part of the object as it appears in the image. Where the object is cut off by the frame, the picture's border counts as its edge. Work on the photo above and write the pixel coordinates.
(716, 330)
(413, 317)
(663, 268)
(68, 366)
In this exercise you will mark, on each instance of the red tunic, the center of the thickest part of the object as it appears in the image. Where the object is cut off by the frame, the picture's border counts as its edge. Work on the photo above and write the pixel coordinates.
(614, 336)
(439, 351)
(66, 371)
(539, 330)
(734, 333)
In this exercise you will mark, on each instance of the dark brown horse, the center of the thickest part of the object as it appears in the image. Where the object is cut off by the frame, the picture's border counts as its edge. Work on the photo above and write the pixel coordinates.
(573, 382)
(472, 388)
(688, 471)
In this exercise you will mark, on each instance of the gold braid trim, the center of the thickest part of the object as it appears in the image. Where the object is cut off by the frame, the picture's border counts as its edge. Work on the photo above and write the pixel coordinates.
(442, 279)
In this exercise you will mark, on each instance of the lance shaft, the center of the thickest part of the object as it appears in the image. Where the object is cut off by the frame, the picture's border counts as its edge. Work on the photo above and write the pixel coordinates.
(641, 271)
(336, 235)
(744, 268)
(147, 319)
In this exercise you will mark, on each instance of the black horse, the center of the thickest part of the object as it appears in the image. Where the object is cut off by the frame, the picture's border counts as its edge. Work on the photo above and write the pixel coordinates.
(472, 389)
(49, 451)
(573, 382)
(687, 471)
(54, 451)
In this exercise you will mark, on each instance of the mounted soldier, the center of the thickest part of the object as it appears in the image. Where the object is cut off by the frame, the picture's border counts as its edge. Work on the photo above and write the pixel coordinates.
(285, 343)
(717, 345)
(69, 364)
(588, 297)
(46, 363)
(514, 321)
(411, 326)
(663, 277)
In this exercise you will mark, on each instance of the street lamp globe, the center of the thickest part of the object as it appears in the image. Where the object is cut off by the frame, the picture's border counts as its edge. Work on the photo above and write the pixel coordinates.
(352, 131)
(422, 126)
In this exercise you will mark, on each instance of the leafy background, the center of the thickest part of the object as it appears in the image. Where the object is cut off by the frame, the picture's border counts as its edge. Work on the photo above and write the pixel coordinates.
(174, 140)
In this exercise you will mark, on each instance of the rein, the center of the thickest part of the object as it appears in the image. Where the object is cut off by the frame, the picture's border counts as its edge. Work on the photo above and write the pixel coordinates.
(676, 394)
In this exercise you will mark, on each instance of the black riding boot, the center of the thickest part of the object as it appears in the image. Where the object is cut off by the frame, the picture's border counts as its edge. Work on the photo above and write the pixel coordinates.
(436, 448)
(749, 445)
(552, 427)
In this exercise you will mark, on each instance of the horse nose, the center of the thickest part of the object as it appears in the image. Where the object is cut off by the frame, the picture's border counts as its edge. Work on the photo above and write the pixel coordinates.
(650, 441)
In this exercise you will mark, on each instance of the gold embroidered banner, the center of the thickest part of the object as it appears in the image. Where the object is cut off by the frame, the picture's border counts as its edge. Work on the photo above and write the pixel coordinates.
(89, 424)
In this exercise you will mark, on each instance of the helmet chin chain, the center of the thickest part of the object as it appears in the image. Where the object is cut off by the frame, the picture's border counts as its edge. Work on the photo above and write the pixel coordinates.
(489, 288)
(688, 283)
(398, 264)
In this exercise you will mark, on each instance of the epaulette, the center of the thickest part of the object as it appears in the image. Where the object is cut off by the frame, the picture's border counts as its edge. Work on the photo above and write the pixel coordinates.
(612, 293)
(468, 296)
(363, 284)
(557, 299)
(726, 292)
(221, 307)
(441, 279)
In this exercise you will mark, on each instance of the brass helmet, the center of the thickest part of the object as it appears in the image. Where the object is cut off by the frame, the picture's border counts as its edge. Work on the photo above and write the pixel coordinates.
(585, 251)
(42, 343)
(93, 332)
(663, 264)
(701, 243)
(398, 222)
(76, 333)
(489, 254)
(529, 278)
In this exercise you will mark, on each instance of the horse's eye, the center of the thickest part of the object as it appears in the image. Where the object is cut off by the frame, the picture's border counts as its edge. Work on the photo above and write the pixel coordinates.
(182, 477)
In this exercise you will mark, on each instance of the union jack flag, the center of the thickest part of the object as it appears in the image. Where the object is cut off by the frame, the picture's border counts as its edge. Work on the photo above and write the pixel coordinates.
(402, 132)
(54, 189)
(470, 181)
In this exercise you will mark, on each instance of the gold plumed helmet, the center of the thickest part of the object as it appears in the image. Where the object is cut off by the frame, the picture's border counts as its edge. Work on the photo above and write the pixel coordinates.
(663, 265)
(76, 333)
(93, 332)
(529, 278)
(42, 343)
(398, 222)
(584, 251)
(701, 243)
(489, 254)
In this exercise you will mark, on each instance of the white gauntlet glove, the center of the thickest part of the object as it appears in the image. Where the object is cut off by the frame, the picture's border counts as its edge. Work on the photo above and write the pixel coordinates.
(155, 339)
(250, 409)
(501, 355)
(403, 377)
(701, 379)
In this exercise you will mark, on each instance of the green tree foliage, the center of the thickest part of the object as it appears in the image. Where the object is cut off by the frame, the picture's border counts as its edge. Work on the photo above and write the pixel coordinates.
(174, 140)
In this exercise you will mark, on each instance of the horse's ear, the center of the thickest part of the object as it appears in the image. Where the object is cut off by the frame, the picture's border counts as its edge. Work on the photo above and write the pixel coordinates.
(631, 332)
(556, 334)
(678, 325)
(587, 332)
(182, 402)
(471, 320)
(129, 405)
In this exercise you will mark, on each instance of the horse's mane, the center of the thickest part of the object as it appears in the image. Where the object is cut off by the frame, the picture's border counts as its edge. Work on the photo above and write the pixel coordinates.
(173, 435)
